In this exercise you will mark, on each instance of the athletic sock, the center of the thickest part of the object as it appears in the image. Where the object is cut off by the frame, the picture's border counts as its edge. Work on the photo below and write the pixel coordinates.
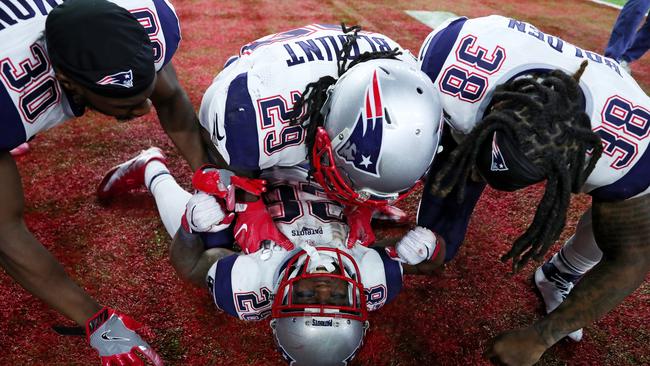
(154, 169)
(170, 197)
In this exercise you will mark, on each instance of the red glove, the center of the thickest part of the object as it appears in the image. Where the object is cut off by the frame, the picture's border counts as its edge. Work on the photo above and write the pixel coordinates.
(358, 218)
(113, 335)
(208, 180)
(254, 225)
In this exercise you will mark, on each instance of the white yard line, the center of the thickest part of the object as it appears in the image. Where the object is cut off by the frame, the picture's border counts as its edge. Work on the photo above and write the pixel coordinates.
(431, 18)
(606, 3)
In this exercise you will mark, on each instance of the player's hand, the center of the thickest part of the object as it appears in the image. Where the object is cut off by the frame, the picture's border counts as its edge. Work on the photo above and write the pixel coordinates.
(205, 214)
(254, 225)
(113, 335)
(418, 245)
(253, 186)
(358, 219)
(208, 180)
(520, 347)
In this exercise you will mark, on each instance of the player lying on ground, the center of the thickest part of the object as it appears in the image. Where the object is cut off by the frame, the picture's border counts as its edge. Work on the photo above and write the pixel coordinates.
(95, 54)
(528, 107)
(317, 290)
(267, 108)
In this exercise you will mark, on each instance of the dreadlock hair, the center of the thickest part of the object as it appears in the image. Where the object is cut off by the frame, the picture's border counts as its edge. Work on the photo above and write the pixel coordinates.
(315, 94)
(543, 114)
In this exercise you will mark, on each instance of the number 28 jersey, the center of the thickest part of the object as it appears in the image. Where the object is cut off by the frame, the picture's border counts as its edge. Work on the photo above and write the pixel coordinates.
(248, 107)
(31, 99)
(244, 285)
(468, 58)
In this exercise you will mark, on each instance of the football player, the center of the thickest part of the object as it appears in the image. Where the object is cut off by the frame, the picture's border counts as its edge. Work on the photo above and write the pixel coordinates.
(317, 291)
(526, 107)
(58, 58)
(350, 103)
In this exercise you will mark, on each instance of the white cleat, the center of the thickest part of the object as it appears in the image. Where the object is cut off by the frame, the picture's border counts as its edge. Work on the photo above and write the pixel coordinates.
(554, 287)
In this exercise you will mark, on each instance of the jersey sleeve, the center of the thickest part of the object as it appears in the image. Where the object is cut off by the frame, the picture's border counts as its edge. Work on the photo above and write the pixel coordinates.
(437, 47)
(170, 29)
(237, 288)
(381, 277)
(221, 239)
(159, 19)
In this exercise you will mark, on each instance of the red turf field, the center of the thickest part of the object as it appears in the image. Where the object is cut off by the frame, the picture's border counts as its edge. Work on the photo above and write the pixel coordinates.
(120, 254)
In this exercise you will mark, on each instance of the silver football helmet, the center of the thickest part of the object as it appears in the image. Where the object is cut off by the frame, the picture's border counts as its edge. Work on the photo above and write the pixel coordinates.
(319, 311)
(380, 134)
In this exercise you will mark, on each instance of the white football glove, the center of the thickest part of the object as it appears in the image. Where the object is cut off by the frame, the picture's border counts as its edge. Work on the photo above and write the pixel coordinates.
(418, 245)
(204, 214)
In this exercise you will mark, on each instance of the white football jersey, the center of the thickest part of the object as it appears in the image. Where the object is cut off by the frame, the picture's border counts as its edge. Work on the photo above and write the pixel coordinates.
(467, 58)
(31, 99)
(248, 107)
(244, 285)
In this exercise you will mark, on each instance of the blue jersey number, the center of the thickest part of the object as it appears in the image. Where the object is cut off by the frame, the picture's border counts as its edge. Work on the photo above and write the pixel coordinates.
(273, 111)
(466, 85)
(287, 207)
(624, 125)
(29, 77)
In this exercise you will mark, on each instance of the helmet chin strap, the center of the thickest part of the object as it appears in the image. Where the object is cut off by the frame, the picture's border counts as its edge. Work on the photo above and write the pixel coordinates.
(316, 260)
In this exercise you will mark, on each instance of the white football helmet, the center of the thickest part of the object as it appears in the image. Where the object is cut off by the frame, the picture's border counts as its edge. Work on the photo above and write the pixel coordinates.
(319, 314)
(382, 125)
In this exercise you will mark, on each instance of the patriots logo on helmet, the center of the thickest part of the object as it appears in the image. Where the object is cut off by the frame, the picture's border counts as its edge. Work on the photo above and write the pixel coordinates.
(363, 148)
(498, 162)
(123, 79)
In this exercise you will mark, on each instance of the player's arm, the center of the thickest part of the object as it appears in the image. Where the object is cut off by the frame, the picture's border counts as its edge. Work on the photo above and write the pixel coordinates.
(190, 258)
(177, 117)
(622, 232)
(27, 261)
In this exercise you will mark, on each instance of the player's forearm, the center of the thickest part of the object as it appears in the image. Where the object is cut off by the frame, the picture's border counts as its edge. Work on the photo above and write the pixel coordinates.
(622, 231)
(599, 291)
(190, 259)
(34, 268)
(179, 121)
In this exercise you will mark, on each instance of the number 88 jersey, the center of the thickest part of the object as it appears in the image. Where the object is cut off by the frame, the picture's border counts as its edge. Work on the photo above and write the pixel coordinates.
(467, 58)
(31, 98)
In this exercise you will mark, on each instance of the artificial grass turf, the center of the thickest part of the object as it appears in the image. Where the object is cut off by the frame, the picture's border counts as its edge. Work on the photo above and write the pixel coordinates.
(119, 253)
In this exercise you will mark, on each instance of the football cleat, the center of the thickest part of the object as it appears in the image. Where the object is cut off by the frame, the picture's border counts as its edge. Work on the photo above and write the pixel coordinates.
(19, 150)
(390, 214)
(554, 286)
(128, 175)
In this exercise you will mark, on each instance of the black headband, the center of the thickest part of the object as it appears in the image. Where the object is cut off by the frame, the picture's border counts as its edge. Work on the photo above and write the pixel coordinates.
(101, 46)
(504, 166)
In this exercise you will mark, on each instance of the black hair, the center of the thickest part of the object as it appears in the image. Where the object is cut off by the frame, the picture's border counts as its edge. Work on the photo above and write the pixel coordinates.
(315, 94)
(544, 114)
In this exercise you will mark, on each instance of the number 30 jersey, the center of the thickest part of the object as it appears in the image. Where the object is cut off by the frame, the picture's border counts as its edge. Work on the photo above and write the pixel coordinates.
(31, 99)
(468, 58)
(244, 285)
(248, 107)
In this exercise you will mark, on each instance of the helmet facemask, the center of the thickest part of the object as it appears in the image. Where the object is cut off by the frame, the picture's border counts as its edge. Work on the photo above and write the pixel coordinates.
(337, 186)
(312, 329)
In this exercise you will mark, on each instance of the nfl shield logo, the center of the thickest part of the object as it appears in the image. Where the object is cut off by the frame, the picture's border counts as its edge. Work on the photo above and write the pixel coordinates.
(123, 79)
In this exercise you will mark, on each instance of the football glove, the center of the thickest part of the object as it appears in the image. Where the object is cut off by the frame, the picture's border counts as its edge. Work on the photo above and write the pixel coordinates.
(255, 225)
(358, 219)
(418, 245)
(205, 214)
(113, 335)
